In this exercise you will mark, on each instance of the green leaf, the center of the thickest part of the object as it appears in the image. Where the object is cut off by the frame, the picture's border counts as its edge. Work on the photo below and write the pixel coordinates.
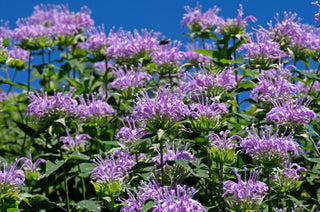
(90, 205)
(141, 165)
(207, 52)
(148, 204)
(19, 85)
(52, 167)
(247, 84)
(160, 133)
(79, 156)
(25, 128)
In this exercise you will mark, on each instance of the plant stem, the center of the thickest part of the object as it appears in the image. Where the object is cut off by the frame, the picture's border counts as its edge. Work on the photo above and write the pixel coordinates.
(313, 81)
(269, 196)
(2, 205)
(29, 71)
(161, 161)
(315, 146)
(83, 184)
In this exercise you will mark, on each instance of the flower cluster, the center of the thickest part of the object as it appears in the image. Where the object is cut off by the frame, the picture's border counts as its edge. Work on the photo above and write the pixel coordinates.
(76, 144)
(267, 149)
(194, 57)
(32, 171)
(291, 114)
(111, 174)
(128, 135)
(197, 21)
(10, 178)
(45, 108)
(171, 199)
(247, 194)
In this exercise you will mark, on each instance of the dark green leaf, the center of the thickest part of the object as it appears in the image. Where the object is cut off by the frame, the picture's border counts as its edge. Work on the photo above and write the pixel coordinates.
(148, 204)
(52, 167)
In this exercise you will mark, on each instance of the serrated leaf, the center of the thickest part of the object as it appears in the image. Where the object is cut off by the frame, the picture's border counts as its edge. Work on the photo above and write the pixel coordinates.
(79, 156)
(207, 52)
(247, 84)
(52, 167)
(90, 205)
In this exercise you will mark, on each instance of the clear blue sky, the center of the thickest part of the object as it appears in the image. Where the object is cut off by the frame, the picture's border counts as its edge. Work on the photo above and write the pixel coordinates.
(162, 15)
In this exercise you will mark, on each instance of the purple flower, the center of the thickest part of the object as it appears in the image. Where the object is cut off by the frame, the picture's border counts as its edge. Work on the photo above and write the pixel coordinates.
(247, 194)
(44, 107)
(168, 55)
(194, 57)
(20, 54)
(171, 154)
(261, 51)
(5, 31)
(216, 141)
(287, 179)
(76, 144)
(125, 46)
(312, 88)
(10, 178)
(317, 15)
(165, 106)
(267, 149)
(96, 108)
(273, 86)
(111, 174)
(130, 134)
(294, 209)
(293, 114)
(207, 108)
(197, 21)
(3, 96)
(168, 198)
(31, 169)
(235, 26)
(97, 39)
(129, 79)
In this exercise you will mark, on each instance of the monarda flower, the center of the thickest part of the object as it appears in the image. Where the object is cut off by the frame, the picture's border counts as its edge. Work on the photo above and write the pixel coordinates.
(5, 32)
(269, 150)
(295, 208)
(294, 115)
(18, 57)
(247, 194)
(168, 58)
(205, 115)
(94, 109)
(168, 198)
(131, 133)
(223, 151)
(110, 176)
(128, 81)
(306, 88)
(97, 42)
(232, 27)
(32, 170)
(171, 154)
(160, 112)
(317, 15)
(196, 58)
(273, 86)
(288, 179)
(76, 144)
(10, 178)
(3, 96)
(49, 108)
(208, 81)
(198, 22)
(262, 51)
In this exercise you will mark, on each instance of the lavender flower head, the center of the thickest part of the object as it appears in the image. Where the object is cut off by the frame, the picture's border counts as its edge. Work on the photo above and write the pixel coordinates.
(168, 56)
(130, 134)
(111, 174)
(32, 171)
(261, 51)
(46, 108)
(76, 144)
(287, 179)
(194, 57)
(97, 39)
(247, 194)
(129, 78)
(294, 209)
(168, 198)
(269, 149)
(3, 96)
(317, 15)
(235, 26)
(207, 80)
(10, 178)
(223, 150)
(95, 108)
(125, 46)
(312, 88)
(161, 111)
(273, 86)
(291, 114)
(18, 53)
(198, 22)
(5, 31)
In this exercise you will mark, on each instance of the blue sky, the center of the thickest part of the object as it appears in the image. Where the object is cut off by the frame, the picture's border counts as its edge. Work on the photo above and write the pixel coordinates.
(163, 15)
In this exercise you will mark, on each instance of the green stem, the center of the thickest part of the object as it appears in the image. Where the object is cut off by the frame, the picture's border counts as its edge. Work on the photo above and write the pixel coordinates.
(83, 184)
(161, 161)
(106, 74)
(29, 71)
(315, 146)
(64, 176)
(209, 169)
(313, 81)
(203, 43)
(269, 196)
(221, 182)
(2, 205)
